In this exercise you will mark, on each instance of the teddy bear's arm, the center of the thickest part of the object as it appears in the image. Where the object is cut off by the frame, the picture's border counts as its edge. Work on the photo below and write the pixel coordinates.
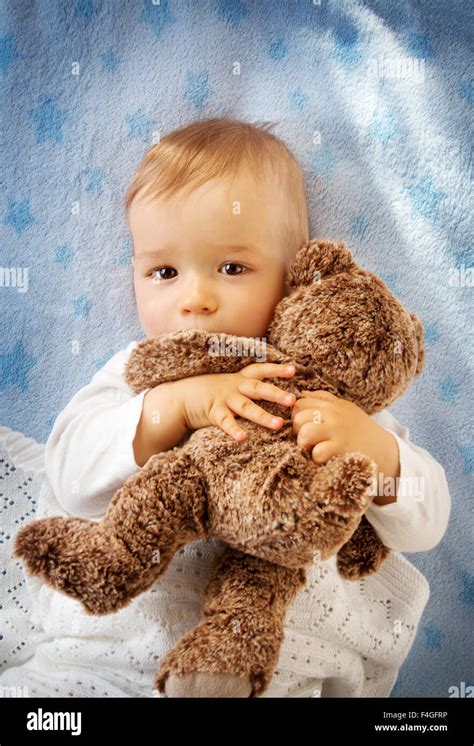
(194, 352)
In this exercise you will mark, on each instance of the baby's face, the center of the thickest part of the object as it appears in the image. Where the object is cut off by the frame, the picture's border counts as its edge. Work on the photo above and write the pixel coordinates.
(212, 260)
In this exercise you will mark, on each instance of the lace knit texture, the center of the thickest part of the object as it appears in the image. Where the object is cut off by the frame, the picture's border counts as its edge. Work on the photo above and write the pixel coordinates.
(342, 639)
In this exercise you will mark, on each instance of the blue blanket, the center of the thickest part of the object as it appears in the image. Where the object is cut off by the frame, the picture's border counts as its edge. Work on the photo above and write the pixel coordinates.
(375, 100)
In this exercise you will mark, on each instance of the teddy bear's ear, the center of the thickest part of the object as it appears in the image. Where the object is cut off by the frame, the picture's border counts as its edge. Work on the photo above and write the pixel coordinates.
(318, 259)
(421, 343)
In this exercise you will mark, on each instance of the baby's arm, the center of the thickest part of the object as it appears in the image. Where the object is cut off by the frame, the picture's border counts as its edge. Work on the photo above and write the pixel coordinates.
(406, 522)
(105, 433)
(161, 425)
(417, 520)
(89, 452)
(171, 409)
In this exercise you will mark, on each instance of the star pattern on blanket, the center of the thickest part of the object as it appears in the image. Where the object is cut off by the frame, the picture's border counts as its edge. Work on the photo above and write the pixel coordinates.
(391, 280)
(125, 258)
(464, 257)
(467, 594)
(198, 89)
(8, 52)
(418, 45)
(277, 50)
(467, 452)
(157, 16)
(358, 225)
(95, 177)
(298, 101)
(82, 306)
(424, 198)
(19, 215)
(466, 91)
(15, 367)
(448, 390)
(86, 9)
(232, 12)
(64, 254)
(384, 126)
(139, 125)
(433, 636)
(432, 333)
(49, 120)
(346, 39)
(110, 61)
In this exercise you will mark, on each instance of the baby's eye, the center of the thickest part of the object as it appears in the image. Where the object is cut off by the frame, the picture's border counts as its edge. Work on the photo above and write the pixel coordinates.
(159, 276)
(232, 264)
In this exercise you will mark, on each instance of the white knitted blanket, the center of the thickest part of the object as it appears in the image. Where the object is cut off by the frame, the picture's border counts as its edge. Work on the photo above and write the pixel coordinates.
(342, 639)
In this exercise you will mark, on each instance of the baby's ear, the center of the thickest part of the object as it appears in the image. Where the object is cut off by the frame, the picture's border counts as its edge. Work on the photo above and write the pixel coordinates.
(318, 259)
(421, 343)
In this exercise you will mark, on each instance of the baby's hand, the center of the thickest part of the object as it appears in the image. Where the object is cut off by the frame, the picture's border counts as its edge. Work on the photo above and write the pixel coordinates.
(329, 426)
(214, 399)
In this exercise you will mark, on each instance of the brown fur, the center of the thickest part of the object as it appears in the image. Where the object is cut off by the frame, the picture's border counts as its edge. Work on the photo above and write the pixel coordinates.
(277, 510)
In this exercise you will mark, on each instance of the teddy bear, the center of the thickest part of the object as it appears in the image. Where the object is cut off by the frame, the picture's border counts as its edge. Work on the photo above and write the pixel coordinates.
(275, 509)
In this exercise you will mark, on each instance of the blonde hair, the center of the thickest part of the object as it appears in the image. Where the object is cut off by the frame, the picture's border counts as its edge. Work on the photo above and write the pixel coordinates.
(211, 148)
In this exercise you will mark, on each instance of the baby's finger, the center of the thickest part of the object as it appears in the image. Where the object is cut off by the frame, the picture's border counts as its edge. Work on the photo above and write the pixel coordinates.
(305, 403)
(224, 419)
(268, 370)
(310, 435)
(245, 407)
(322, 452)
(253, 388)
(320, 394)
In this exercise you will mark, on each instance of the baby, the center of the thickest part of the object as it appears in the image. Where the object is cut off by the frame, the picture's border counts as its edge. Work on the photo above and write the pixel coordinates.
(217, 211)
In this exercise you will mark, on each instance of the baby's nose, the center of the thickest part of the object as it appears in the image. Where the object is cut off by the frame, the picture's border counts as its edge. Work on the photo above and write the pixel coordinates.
(199, 304)
(198, 297)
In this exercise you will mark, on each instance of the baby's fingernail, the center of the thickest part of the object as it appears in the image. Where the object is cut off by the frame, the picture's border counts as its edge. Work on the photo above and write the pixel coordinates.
(276, 420)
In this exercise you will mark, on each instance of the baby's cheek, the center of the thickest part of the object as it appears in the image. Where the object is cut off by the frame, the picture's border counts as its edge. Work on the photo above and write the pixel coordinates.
(150, 317)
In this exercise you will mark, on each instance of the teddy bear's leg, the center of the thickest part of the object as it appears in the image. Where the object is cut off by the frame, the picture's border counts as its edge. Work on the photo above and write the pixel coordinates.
(308, 511)
(233, 652)
(105, 564)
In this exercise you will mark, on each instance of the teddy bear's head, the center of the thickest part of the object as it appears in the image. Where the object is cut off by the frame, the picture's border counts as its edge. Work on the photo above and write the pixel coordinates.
(344, 324)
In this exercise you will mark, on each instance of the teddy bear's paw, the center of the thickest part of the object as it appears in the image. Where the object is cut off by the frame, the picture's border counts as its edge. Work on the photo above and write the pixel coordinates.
(242, 651)
(349, 482)
(74, 556)
(363, 554)
(202, 684)
(353, 566)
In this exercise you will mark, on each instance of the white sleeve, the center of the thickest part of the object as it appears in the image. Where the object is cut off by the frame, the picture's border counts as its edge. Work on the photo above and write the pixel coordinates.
(417, 521)
(89, 452)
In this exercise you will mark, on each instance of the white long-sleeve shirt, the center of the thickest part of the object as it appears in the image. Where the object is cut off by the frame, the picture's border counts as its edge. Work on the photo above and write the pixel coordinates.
(89, 455)
(342, 638)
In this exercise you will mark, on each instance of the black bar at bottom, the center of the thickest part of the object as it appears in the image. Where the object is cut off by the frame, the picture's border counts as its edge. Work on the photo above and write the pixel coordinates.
(377, 720)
